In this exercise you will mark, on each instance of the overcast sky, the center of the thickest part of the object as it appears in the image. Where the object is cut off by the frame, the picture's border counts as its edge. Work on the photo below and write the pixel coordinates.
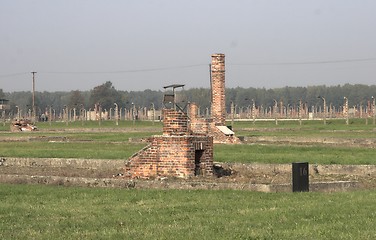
(147, 44)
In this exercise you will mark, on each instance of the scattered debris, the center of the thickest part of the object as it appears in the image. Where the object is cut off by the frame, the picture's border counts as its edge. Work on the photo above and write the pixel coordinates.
(315, 168)
(23, 125)
(118, 175)
(2, 160)
(220, 171)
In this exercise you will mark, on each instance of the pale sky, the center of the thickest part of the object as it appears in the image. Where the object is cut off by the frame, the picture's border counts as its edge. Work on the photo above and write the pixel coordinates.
(147, 44)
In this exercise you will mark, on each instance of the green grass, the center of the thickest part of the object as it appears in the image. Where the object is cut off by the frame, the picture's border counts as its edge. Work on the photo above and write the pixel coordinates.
(313, 133)
(85, 150)
(355, 124)
(45, 212)
(333, 124)
(288, 154)
(83, 136)
(90, 124)
(107, 143)
(222, 152)
(313, 128)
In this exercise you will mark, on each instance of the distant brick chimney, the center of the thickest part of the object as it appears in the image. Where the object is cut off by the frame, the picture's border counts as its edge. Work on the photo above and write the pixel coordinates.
(218, 108)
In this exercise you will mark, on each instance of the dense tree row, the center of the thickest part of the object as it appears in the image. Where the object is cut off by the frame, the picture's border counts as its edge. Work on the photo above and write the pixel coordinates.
(106, 95)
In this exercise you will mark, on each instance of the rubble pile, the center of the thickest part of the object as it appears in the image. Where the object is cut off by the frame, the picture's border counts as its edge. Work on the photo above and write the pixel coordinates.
(23, 125)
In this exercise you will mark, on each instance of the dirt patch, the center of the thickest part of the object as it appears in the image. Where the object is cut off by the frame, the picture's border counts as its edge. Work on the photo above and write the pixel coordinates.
(108, 173)
(87, 168)
(364, 175)
(306, 141)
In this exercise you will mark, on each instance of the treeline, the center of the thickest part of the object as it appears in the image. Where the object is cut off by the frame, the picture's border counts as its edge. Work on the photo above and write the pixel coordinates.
(106, 95)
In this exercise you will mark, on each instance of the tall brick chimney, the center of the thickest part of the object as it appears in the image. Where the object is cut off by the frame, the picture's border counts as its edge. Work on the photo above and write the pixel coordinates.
(218, 108)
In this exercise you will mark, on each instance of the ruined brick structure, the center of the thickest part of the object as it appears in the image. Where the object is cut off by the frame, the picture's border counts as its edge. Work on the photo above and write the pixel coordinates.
(179, 152)
(197, 125)
(186, 147)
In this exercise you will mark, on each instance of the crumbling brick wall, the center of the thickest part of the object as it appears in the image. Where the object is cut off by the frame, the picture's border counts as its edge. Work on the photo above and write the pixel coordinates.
(143, 164)
(174, 122)
(203, 126)
(197, 125)
(176, 153)
(220, 137)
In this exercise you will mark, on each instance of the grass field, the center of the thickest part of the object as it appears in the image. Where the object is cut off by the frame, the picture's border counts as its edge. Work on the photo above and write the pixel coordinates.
(222, 153)
(44, 212)
(110, 144)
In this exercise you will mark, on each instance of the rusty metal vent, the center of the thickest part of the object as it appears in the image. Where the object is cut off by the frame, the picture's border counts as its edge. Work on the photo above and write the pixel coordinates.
(171, 100)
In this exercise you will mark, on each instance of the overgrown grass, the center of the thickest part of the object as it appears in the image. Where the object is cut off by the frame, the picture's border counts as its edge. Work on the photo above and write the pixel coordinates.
(82, 136)
(96, 124)
(312, 128)
(288, 154)
(85, 150)
(222, 152)
(90, 124)
(306, 133)
(109, 144)
(45, 212)
(331, 124)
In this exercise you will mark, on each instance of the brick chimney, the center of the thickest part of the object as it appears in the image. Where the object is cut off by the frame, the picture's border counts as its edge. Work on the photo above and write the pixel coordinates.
(218, 108)
(193, 111)
(174, 122)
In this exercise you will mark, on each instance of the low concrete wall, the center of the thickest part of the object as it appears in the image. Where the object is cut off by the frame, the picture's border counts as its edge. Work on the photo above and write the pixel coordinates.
(369, 170)
(364, 142)
(344, 169)
(313, 168)
(336, 186)
(259, 167)
(63, 162)
(160, 184)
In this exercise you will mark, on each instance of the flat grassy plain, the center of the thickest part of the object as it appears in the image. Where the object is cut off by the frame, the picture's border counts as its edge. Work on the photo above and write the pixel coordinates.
(112, 142)
(45, 212)
(51, 212)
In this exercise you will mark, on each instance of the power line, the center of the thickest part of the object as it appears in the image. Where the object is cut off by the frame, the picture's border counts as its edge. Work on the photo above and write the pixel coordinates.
(13, 74)
(130, 71)
(307, 63)
(198, 65)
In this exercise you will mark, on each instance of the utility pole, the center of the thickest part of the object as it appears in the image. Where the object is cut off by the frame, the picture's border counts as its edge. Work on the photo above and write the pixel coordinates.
(33, 97)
